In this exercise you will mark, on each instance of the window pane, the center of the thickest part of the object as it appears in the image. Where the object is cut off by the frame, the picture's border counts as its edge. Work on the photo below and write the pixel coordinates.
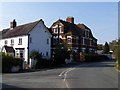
(30, 39)
(68, 40)
(20, 41)
(5, 42)
(12, 42)
(47, 41)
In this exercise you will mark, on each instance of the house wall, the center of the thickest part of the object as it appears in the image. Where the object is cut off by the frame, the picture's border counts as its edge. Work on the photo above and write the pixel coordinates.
(39, 36)
(16, 44)
(90, 43)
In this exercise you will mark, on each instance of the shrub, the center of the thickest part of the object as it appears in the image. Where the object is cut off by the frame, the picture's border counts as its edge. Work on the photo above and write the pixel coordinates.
(6, 62)
(95, 57)
(17, 62)
(35, 55)
(44, 63)
(9, 61)
(60, 55)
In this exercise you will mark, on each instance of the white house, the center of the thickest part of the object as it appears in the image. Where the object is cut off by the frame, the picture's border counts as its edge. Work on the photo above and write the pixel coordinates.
(27, 37)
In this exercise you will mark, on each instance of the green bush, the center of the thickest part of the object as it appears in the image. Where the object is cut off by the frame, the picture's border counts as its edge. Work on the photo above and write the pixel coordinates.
(35, 55)
(9, 61)
(17, 62)
(60, 56)
(44, 63)
(95, 57)
(6, 62)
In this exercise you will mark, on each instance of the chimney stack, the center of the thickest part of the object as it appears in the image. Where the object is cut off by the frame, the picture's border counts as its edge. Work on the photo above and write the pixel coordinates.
(13, 24)
(70, 19)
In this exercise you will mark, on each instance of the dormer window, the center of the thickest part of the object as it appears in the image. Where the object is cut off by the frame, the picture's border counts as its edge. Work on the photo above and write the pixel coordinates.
(61, 31)
(55, 30)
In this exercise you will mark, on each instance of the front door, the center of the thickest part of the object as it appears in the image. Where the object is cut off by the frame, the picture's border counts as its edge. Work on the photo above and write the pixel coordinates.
(20, 53)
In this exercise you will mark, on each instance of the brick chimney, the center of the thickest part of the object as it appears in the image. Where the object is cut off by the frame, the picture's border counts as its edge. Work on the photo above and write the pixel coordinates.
(70, 19)
(13, 24)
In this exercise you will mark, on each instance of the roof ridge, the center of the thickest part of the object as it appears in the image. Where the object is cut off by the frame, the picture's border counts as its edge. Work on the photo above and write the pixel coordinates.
(23, 29)
(29, 23)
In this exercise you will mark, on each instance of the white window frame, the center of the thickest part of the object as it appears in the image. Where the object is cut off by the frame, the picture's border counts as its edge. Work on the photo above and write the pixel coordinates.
(83, 40)
(5, 42)
(20, 41)
(55, 30)
(12, 41)
(69, 37)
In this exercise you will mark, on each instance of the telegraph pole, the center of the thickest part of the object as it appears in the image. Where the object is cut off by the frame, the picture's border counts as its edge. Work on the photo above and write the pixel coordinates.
(58, 34)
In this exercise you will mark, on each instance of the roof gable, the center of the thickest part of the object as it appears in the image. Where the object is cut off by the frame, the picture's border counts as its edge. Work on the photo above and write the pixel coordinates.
(69, 27)
(19, 30)
(9, 49)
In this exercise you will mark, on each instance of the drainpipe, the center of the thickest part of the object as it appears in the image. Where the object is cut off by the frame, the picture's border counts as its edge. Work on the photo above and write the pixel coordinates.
(28, 49)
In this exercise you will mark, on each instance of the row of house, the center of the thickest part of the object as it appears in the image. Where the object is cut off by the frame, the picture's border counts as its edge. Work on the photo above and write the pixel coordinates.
(22, 39)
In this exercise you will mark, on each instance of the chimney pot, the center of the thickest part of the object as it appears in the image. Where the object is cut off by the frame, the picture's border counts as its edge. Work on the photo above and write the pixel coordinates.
(13, 24)
(70, 19)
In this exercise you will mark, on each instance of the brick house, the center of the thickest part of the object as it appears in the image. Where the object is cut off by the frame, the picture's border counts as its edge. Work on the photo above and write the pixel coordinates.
(75, 37)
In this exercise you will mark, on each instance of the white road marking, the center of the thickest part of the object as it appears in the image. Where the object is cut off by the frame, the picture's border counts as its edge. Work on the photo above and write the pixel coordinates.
(62, 72)
(65, 72)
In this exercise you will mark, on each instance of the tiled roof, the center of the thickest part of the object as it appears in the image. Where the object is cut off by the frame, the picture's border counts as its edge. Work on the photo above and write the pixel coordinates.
(9, 49)
(70, 27)
(74, 29)
(19, 30)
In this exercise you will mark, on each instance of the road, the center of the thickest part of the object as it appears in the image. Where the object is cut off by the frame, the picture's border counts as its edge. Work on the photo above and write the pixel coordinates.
(87, 75)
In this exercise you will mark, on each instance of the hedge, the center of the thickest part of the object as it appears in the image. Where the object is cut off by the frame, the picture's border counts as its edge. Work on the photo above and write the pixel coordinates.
(9, 61)
(94, 57)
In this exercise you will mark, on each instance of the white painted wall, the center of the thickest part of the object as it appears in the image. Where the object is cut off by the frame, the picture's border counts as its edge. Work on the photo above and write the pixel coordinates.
(39, 36)
(16, 41)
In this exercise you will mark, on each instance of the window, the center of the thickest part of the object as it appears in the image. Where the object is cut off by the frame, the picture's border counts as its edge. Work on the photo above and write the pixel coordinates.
(90, 42)
(55, 30)
(88, 34)
(47, 41)
(68, 40)
(21, 53)
(83, 41)
(46, 53)
(6, 42)
(76, 40)
(12, 42)
(83, 50)
(85, 33)
(20, 41)
(61, 31)
(30, 39)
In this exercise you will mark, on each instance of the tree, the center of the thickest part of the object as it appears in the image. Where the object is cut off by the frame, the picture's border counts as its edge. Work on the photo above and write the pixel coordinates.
(35, 55)
(115, 47)
(100, 46)
(106, 48)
